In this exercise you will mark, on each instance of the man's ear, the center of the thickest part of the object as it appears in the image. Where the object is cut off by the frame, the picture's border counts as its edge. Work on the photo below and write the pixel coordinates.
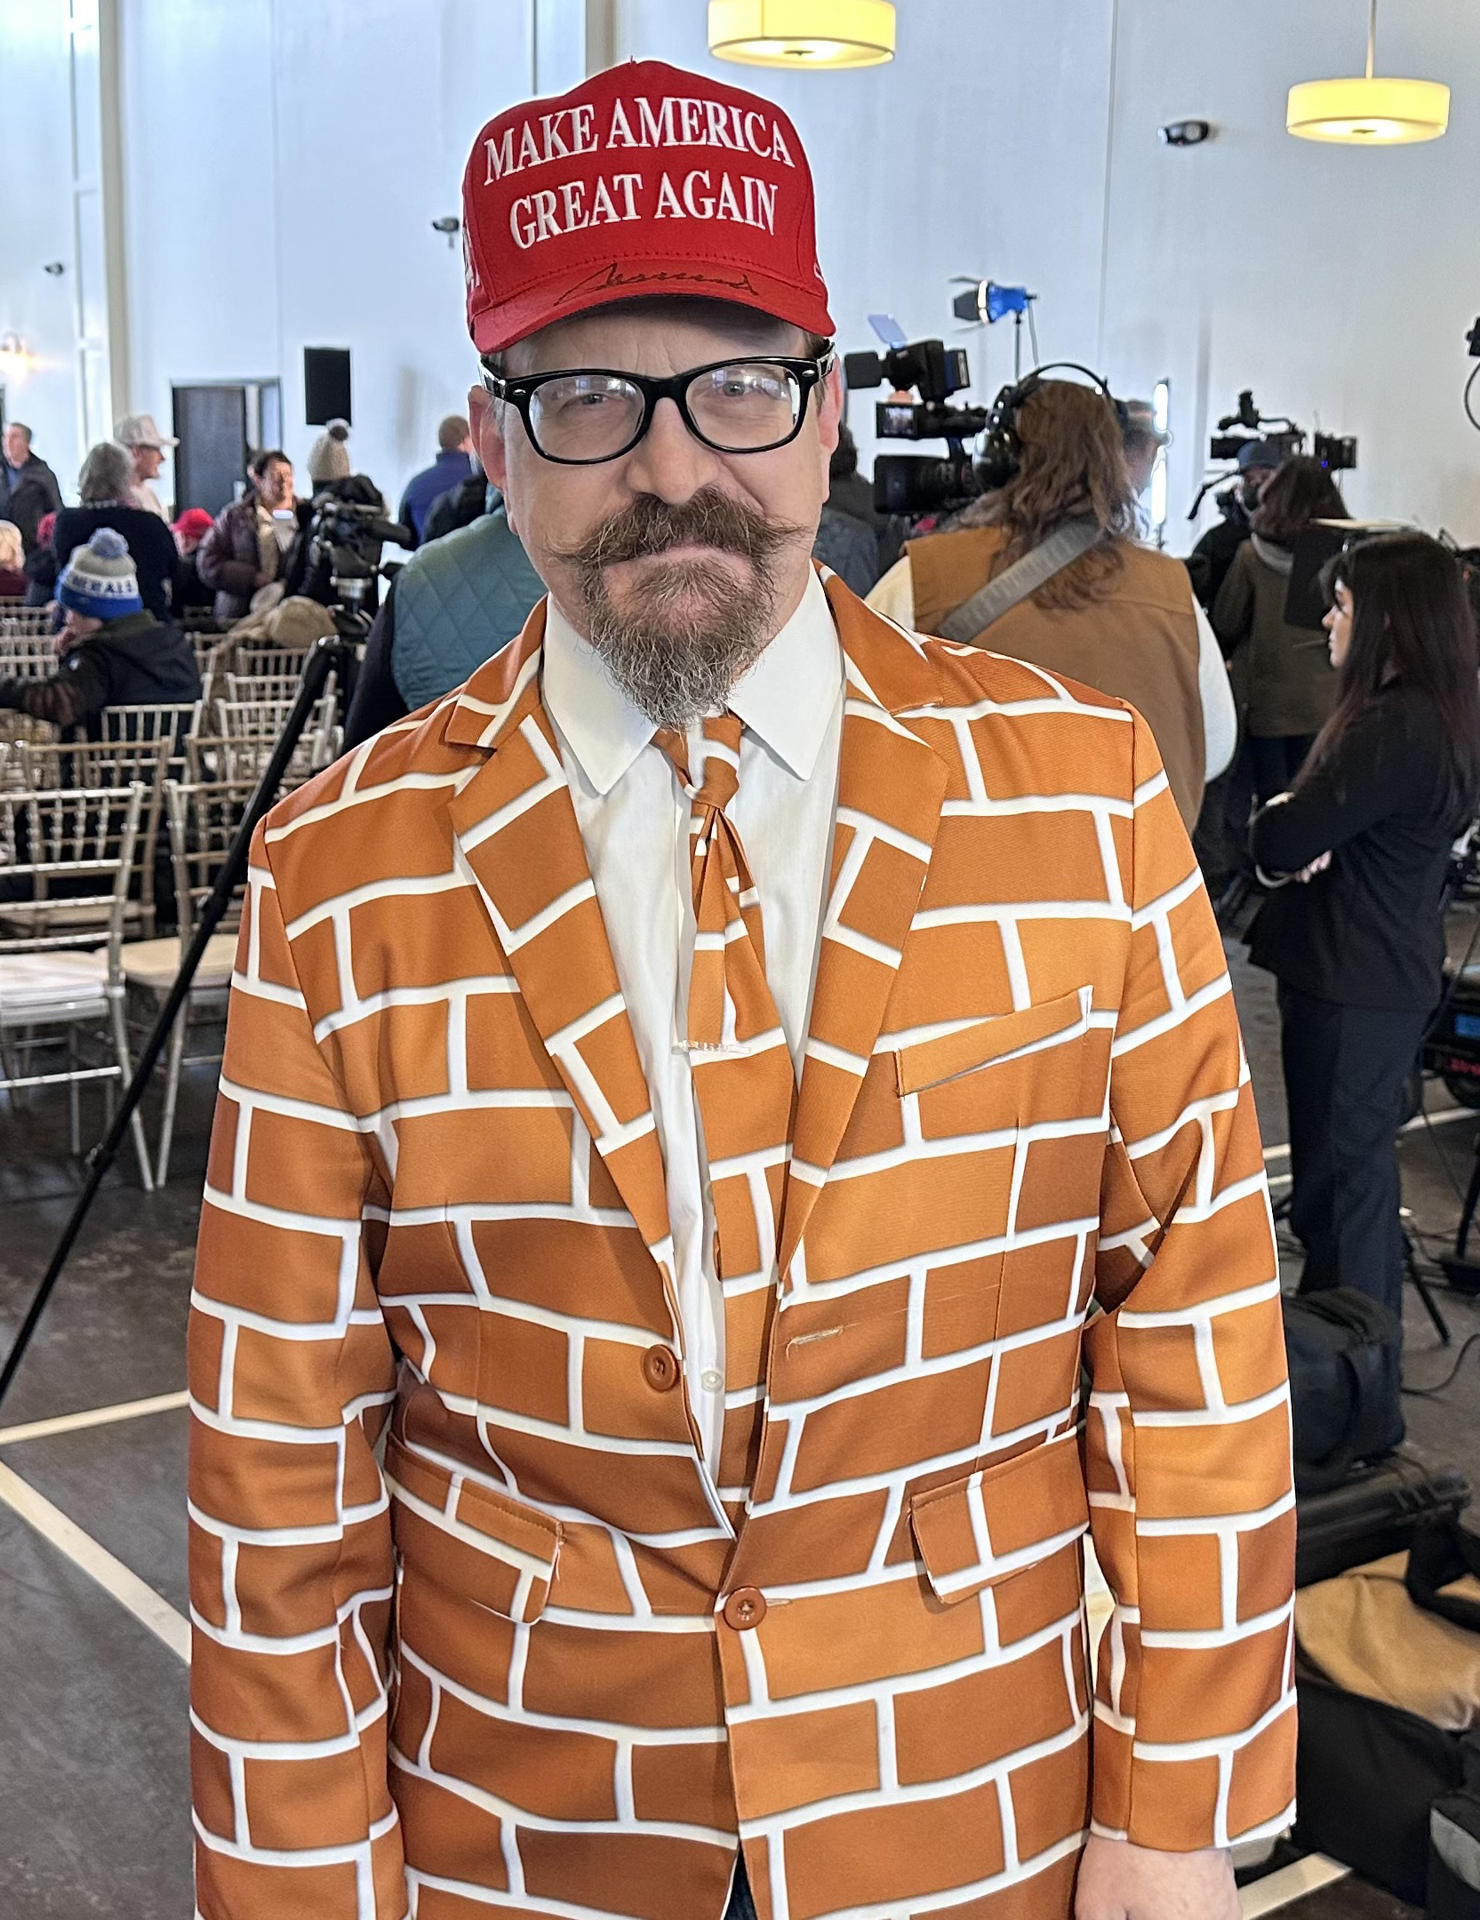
(483, 419)
(829, 415)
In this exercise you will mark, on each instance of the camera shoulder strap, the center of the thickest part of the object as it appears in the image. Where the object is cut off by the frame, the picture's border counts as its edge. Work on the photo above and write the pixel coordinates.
(1065, 544)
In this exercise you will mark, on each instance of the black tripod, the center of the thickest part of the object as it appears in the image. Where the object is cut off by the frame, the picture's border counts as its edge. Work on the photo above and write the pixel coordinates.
(336, 655)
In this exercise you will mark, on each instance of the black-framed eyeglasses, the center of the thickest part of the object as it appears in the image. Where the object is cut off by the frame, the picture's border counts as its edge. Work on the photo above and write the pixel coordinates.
(579, 417)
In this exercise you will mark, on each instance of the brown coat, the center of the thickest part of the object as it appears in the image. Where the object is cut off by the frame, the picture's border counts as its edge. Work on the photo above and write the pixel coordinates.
(1139, 642)
(1282, 675)
(535, 1662)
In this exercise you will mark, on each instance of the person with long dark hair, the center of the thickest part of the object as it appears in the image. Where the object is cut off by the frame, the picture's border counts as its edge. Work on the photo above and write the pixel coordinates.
(1281, 679)
(1357, 850)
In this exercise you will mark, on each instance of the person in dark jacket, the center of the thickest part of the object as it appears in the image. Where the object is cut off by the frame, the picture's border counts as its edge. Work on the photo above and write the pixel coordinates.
(453, 605)
(1210, 559)
(254, 540)
(42, 566)
(460, 507)
(454, 464)
(1358, 849)
(105, 486)
(189, 529)
(113, 652)
(1281, 675)
(28, 487)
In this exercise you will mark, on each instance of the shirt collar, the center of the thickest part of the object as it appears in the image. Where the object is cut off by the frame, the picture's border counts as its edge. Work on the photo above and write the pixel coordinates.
(786, 699)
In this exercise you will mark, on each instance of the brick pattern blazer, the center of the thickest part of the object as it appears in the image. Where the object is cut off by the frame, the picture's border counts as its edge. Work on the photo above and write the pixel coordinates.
(474, 1632)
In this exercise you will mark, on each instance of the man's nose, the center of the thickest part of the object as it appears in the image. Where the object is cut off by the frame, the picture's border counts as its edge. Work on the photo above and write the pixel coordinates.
(669, 461)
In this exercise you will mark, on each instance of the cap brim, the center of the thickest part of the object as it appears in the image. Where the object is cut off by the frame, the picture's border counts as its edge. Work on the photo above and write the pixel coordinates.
(501, 325)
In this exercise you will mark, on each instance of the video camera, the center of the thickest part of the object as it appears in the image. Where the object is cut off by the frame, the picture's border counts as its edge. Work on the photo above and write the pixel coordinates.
(344, 542)
(908, 483)
(1336, 453)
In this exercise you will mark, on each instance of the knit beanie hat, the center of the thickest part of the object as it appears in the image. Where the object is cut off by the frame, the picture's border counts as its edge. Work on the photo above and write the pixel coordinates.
(99, 579)
(329, 457)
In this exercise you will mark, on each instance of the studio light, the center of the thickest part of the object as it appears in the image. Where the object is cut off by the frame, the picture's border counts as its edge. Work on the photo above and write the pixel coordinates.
(802, 33)
(1368, 112)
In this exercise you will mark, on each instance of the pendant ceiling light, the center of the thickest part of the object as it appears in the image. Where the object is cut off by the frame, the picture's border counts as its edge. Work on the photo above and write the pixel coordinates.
(1370, 112)
(802, 33)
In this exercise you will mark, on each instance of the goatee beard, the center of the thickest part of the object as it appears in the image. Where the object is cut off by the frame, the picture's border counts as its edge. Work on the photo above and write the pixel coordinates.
(679, 640)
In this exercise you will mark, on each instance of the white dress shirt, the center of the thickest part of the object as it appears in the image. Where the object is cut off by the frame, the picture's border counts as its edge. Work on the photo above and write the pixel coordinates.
(634, 821)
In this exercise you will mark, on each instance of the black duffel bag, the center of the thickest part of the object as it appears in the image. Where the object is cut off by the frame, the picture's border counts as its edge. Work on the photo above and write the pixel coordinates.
(1344, 1350)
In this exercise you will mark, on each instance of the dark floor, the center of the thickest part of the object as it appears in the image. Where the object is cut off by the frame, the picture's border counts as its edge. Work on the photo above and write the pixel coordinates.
(93, 1776)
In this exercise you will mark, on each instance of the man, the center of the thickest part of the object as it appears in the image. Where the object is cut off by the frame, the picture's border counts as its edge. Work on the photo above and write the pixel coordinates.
(453, 604)
(731, 1491)
(1211, 558)
(252, 542)
(28, 487)
(454, 464)
(1115, 615)
(114, 653)
(1143, 441)
(146, 446)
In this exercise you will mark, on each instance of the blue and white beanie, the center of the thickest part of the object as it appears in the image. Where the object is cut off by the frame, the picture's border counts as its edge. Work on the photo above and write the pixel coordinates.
(99, 579)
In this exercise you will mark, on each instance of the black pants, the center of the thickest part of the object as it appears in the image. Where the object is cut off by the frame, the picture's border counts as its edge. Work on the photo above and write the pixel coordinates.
(1276, 758)
(1345, 1069)
(741, 1906)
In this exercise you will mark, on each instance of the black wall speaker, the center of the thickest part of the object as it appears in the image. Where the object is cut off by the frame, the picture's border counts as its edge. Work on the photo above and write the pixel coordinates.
(326, 385)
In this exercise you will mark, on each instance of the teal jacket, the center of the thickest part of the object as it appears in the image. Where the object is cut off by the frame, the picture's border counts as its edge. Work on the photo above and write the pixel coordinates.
(451, 607)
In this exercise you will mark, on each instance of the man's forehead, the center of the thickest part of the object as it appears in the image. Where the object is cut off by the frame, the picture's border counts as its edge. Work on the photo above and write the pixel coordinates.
(677, 328)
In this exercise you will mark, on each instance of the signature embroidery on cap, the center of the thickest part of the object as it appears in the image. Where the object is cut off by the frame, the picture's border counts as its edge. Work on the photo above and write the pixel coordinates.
(616, 276)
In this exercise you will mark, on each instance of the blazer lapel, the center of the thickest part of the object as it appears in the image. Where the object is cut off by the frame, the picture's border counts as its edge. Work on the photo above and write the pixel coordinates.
(516, 834)
(891, 784)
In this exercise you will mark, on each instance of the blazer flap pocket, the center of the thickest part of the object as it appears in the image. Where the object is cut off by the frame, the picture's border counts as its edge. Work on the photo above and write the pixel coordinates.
(988, 1526)
(471, 1539)
(929, 1062)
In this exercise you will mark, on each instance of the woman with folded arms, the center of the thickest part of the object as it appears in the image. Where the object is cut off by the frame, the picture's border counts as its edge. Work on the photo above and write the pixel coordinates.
(1358, 850)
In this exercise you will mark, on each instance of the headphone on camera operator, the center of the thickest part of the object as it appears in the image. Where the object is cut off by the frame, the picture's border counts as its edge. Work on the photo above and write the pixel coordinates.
(999, 451)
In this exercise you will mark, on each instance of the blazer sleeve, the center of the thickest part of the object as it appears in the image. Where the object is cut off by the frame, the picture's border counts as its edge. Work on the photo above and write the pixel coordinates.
(292, 1374)
(1188, 1436)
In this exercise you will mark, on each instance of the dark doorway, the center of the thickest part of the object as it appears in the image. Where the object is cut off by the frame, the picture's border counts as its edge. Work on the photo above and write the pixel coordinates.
(219, 424)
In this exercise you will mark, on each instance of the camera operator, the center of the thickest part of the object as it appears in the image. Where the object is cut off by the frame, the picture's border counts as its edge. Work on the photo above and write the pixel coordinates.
(1354, 934)
(1281, 676)
(1120, 617)
(1210, 559)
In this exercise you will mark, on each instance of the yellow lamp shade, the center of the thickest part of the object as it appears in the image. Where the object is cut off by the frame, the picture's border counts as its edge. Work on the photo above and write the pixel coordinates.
(1369, 113)
(802, 33)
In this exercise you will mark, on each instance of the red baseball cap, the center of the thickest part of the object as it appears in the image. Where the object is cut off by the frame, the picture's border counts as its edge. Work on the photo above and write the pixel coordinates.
(644, 179)
(194, 520)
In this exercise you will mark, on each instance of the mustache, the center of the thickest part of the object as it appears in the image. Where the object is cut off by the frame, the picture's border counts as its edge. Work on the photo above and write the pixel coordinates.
(708, 518)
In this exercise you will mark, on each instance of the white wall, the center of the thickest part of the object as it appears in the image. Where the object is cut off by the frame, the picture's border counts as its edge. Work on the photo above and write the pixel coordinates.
(1007, 141)
(36, 225)
(284, 162)
(285, 165)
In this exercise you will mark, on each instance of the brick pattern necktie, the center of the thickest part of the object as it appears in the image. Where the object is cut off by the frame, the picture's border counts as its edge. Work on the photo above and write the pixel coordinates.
(744, 1081)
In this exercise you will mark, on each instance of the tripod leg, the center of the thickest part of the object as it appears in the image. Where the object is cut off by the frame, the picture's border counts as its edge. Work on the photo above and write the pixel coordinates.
(1425, 1292)
(316, 670)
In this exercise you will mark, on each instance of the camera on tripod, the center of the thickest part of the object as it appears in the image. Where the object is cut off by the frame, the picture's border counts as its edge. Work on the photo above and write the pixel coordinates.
(908, 483)
(345, 538)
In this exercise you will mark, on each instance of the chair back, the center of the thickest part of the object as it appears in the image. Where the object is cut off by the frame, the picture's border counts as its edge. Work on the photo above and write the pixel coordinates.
(94, 764)
(66, 857)
(20, 622)
(204, 817)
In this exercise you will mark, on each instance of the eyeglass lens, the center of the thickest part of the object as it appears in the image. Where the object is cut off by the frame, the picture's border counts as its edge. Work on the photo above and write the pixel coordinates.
(743, 407)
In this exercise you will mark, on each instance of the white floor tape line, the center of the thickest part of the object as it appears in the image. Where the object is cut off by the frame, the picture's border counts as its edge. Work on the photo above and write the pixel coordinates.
(1289, 1884)
(150, 1609)
(93, 1417)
